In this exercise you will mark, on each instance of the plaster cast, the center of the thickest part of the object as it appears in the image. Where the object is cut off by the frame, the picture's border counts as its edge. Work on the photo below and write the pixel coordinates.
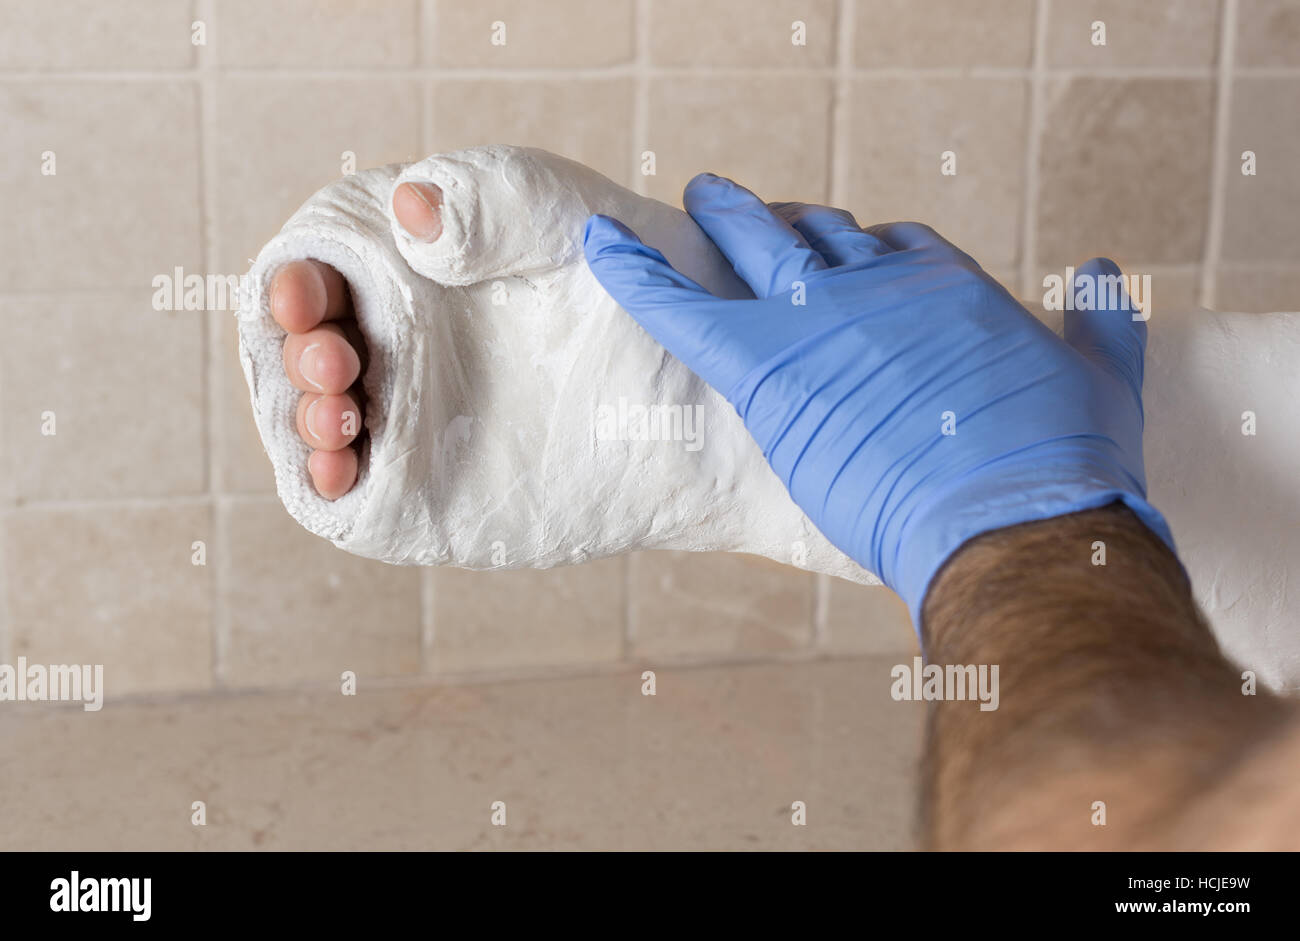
(501, 377)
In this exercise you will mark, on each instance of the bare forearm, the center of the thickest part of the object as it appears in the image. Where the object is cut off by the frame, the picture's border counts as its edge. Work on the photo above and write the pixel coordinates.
(1112, 690)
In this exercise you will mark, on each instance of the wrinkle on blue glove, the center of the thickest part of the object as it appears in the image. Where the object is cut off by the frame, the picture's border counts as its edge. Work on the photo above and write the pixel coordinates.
(904, 398)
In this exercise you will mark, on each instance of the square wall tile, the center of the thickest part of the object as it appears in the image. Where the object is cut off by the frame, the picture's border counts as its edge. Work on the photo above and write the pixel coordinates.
(285, 138)
(899, 174)
(523, 34)
(1124, 171)
(316, 34)
(115, 586)
(741, 33)
(240, 460)
(717, 604)
(529, 617)
(1173, 33)
(100, 183)
(103, 397)
(587, 120)
(90, 34)
(769, 134)
(1260, 218)
(300, 610)
(867, 619)
(943, 33)
(1268, 33)
(1257, 290)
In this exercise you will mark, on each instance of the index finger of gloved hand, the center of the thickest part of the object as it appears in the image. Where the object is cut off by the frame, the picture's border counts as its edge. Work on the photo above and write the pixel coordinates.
(684, 317)
(903, 236)
(764, 249)
(832, 233)
(908, 236)
(1109, 328)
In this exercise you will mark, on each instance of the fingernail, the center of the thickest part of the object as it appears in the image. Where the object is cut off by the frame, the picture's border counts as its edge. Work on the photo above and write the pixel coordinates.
(307, 420)
(275, 294)
(307, 365)
(429, 227)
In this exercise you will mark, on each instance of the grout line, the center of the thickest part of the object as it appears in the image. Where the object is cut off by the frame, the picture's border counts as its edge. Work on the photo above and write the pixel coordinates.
(425, 32)
(1259, 267)
(839, 151)
(138, 503)
(221, 578)
(116, 503)
(427, 26)
(839, 157)
(626, 70)
(1033, 151)
(213, 321)
(1259, 71)
(7, 504)
(428, 120)
(1219, 162)
(821, 611)
(6, 614)
(6, 621)
(508, 675)
(629, 618)
(187, 74)
(207, 226)
(432, 685)
(625, 644)
(131, 292)
(1119, 73)
(641, 96)
(428, 618)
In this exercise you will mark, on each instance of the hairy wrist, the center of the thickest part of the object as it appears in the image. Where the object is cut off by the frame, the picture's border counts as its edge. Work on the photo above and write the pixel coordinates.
(1112, 688)
(1033, 576)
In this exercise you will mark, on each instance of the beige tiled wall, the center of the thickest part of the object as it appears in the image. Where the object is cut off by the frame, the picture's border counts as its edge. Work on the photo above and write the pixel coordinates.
(171, 154)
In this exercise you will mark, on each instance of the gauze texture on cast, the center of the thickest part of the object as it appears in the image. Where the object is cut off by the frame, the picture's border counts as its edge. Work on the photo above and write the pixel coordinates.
(515, 416)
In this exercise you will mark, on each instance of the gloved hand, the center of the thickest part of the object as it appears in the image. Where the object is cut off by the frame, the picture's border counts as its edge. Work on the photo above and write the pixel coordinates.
(906, 400)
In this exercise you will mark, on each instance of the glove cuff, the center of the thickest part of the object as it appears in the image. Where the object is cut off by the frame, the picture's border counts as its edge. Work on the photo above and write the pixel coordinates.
(949, 523)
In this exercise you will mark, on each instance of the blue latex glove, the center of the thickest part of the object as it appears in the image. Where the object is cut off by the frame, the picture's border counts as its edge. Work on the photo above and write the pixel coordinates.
(848, 392)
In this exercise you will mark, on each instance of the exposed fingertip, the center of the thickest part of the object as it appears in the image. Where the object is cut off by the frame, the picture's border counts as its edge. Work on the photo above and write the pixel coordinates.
(298, 296)
(418, 207)
(333, 473)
